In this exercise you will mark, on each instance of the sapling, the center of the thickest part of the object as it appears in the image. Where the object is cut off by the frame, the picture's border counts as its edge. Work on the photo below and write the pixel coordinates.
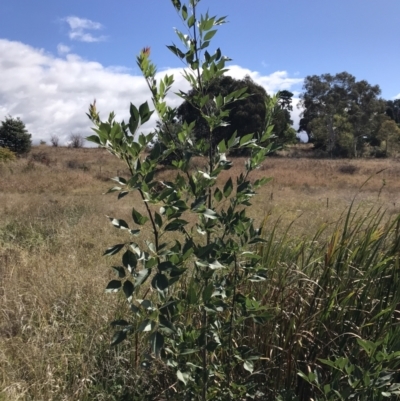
(186, 286)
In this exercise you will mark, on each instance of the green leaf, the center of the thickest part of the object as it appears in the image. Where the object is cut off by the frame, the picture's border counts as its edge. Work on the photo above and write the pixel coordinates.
(134, 120)
(208, 291)
(208, 23)
(233, 140)
(113, 286)
(165, 324)
(215, 265)
(176, 4)
(128, 288)
(160, 282)
(157, 343)
(191, 21)
(120, 180)
(182, 376)
(113, 189)
(146, 325)
(121, 224)
(210, 34)
(144, 112)
(158, 219)
(228, 187)
(119, 322)
(141, 276)
(176, 51)
(138, 218)
(122, 194)
(175, 225)
(246, 139)
(165, 266)
(112, 250)
(129, 260)
(218, 195)
(249, 366)
(184, 12)
(261, 181)
(146, 304)
(118, 337)
(94, 138)
(222, 146)
(205, 45)
(210, 214)
(198, 203)
(119, 270)
(191, 295)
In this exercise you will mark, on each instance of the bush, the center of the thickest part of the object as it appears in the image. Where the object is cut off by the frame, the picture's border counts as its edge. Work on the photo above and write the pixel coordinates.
(188, 285)
(348, 169)
(41, 157)
(6, 155)
(75, 141)
(54, 141)
(14, 136)
(75, 165)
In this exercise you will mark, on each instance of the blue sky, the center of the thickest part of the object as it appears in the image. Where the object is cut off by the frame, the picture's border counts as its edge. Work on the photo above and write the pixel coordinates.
(56, 56)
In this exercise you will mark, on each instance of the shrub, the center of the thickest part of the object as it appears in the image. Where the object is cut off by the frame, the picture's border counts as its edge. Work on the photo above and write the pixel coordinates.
(41, 157)
(6, 155)
(14, 136)
(348, 169)
(186, 283)
(54, 139)
(75, 141)
(75, 165)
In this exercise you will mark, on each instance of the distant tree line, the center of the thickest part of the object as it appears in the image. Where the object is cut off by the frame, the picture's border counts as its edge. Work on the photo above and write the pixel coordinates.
(346, 117)
(341, 116)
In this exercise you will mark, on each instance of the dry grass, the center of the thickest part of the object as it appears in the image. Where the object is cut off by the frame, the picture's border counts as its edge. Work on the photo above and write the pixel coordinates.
(54, 312)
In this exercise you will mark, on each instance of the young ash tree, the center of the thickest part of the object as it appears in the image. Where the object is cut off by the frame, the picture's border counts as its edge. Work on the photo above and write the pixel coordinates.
(189, 287)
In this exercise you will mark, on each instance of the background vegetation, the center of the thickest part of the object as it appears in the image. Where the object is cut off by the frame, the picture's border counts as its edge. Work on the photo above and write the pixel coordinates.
(54, 330)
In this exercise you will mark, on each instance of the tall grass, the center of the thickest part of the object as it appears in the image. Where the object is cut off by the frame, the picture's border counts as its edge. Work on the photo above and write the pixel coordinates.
(331, 290)
(323, 296)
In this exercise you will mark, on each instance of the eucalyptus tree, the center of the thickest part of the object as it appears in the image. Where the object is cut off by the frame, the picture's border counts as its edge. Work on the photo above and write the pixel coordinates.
(328, 97)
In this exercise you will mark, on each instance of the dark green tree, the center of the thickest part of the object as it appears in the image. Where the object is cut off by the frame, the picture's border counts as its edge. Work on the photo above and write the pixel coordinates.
(281, 119)
(14, 135)
(245, 116)
(393, 110)
(328, 98)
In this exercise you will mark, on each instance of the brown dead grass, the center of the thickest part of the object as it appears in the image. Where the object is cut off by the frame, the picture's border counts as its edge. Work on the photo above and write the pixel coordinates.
(54, 313)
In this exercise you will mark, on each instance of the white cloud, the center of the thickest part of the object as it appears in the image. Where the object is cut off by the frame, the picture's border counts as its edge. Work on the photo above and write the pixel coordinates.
(51, 94)
(296, 113)
(80, 26)
(272, 83)
(63, 49)
(397, 97)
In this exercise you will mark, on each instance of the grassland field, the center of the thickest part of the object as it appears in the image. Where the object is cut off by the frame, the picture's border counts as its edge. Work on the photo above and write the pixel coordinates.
(54, 313)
